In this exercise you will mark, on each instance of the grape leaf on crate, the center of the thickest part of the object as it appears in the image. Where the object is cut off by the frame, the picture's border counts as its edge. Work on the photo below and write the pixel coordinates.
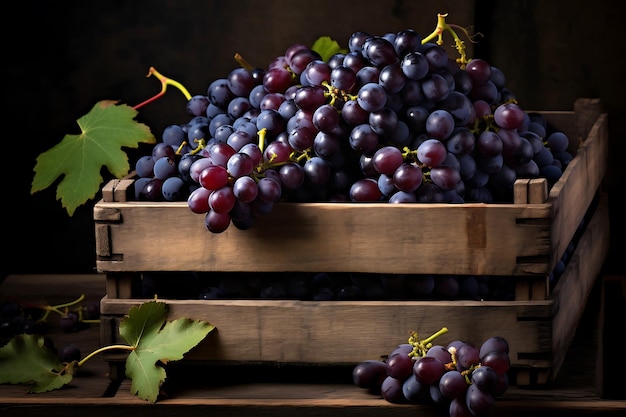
(105, 130)
(327, 47)
(26, 360)
(156, 341)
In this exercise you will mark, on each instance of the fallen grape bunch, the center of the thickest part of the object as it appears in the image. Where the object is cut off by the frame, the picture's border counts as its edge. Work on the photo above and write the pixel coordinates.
(389, 118)
(460, 377)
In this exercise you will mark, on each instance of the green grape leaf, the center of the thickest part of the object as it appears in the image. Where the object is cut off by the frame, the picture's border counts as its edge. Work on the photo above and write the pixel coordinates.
(156, 342)
(105, 130)
(26, 360)
(327, 47)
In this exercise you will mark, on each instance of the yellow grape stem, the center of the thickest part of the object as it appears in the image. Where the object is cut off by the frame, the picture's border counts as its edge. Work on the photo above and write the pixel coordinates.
(242, 61)
(104, 349)
(420, 347)
(443, 26)
(165, 81)
(57, 308)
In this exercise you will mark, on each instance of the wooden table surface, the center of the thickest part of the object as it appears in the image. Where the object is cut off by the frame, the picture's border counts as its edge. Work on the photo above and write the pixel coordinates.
(193, 392)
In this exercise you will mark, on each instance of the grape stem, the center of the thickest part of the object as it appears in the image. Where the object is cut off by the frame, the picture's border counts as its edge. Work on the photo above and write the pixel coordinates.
(459, 45)
(104, 349)
(165, 81)
(420, 347)
(243, 62)
(59, 308)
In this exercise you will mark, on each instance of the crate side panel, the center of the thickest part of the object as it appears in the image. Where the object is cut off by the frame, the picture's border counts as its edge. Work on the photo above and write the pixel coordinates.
(571, 196)
(484, 239)
(575, 285)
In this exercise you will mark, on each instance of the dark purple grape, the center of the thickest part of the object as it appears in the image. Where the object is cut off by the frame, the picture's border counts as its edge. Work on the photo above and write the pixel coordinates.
(452, 384)
(478, 402)
(217, 222)
(467, 356)
(458, 408)
(365, 190)
(387, 160)
(485, 378)
(414, 65)
(399, 365)
(70, 322)
(428, 369)
(69, 353)
(497, 360)
(372, 97)
(414, 391)
(369, 374)
(391, 390)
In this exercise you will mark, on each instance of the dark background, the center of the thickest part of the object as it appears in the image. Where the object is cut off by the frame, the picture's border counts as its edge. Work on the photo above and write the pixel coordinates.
(65, 56)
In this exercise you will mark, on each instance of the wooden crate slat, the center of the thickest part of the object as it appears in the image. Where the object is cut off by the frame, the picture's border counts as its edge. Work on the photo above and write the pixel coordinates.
(346, 332)
(407, 240)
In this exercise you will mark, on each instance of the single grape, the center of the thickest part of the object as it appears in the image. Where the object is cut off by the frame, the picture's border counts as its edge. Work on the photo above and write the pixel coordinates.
(384, 121)
(213, 177)
(270, 190)
(391, 390)
(508, 116)
(387, 160)
(399, 365)
(369, 374)
(69, 353)
(558, 141)
(173, 189)
(458, 408)
(408, 177)
(485, 378)
(372, 97)
(478, 401)
(467, 356)
(198, 200)
(222, 200)
(452, 384)
(217, 222)
(414, 65)
(70, 322)
(364, 139)
(432, 152)
(497, 360)
(428, 369)
(415, 391)
(144, 166)
(326, 118)
(364, 190)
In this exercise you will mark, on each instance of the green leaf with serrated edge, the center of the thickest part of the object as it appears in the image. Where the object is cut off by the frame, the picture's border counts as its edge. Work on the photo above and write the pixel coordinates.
(26, 360)
(156, 341)
(327, 47)
(79, 159)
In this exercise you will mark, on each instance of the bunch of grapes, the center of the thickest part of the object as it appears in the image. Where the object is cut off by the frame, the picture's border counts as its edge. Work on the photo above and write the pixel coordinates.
(17, 318)
(394, 118)
(459, 377)
(23, 318)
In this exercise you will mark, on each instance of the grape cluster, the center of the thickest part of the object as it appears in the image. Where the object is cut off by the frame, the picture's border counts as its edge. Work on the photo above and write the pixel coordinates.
(460, 377)
(391, 119)
(20, 318)
(17, 318)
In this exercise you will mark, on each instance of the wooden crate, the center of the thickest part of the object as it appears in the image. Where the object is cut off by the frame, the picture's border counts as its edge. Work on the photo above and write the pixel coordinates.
(523, 240)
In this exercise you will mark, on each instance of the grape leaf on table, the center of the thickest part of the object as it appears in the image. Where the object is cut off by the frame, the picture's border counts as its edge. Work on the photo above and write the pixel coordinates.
(105, 130)
(156, 341)
(26, 360)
